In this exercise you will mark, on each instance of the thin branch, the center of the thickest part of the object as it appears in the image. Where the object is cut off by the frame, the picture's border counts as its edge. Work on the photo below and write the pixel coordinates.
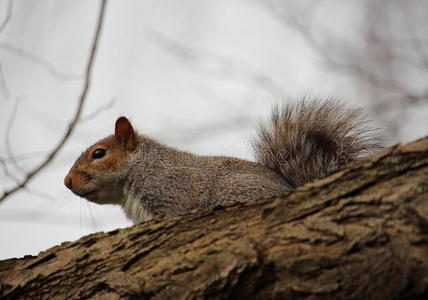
(48, 66)
(378, 82)
(305, 29)
(14, 162)
(97, 111)
(24, 156)
(417, 45)
(77, 114)
(6, 171)
(206, 131)
(40, 194)
(7, 17)
(3, 84)
(217, 64)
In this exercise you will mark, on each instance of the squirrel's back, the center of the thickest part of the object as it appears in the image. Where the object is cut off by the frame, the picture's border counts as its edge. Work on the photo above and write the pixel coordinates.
(311, 138)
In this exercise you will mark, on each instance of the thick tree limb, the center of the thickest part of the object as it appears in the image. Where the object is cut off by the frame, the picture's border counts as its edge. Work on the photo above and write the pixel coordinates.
(361, 233)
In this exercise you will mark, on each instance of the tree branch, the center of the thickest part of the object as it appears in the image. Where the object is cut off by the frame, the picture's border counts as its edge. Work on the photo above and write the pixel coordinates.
(3, 85)
(361, 233)
(30, 175)
(7, 16)
(97, 111)
(48, 66)
(217, 65)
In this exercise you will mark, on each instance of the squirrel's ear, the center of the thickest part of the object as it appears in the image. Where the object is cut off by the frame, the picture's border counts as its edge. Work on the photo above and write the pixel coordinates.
(124, 133)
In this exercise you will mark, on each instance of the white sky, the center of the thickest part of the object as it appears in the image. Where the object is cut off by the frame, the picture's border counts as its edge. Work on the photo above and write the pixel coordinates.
(181, 102)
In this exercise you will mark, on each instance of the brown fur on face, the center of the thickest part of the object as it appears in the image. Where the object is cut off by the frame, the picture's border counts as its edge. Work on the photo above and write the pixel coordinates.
(101, 180)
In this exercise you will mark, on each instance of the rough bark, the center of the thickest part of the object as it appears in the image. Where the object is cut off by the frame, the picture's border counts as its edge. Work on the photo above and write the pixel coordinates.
(361, 233)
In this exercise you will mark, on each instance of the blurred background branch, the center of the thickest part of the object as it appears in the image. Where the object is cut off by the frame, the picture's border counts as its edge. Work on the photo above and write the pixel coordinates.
(379, 58)
(7, 16)
(48, 66)
(86, 85)
(217, 65)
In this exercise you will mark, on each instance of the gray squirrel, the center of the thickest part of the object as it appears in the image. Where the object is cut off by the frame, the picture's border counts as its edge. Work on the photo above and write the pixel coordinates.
(301, 142)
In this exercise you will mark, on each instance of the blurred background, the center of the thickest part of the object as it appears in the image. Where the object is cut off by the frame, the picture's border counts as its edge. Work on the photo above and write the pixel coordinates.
(194, 74)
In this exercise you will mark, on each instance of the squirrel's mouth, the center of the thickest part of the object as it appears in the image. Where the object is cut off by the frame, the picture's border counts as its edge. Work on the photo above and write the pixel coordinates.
(88, 194)
(104, 194)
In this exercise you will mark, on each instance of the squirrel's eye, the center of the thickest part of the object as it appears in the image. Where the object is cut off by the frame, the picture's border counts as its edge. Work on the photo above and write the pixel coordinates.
(98, 153)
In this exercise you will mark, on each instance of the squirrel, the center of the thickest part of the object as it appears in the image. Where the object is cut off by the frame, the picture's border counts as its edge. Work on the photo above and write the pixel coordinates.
(301, 142)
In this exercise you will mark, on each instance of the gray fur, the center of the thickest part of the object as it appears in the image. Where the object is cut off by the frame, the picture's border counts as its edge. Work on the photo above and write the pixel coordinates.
(302, 142)
(312, 138)
(167, 181)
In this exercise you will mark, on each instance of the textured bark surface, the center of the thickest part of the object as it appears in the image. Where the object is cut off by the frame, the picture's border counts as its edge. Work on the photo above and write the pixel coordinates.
(361, 233)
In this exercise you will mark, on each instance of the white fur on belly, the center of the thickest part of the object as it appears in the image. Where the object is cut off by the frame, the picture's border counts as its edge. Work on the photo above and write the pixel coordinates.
(135, 210)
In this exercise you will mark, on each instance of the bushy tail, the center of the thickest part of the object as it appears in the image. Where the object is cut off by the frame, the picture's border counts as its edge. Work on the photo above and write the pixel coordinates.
(312, 138)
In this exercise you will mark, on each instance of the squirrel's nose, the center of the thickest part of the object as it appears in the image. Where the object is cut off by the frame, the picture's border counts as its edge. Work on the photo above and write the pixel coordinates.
(68, 181)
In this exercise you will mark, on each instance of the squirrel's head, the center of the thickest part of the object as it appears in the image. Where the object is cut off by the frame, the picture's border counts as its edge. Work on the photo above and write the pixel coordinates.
(98, 174)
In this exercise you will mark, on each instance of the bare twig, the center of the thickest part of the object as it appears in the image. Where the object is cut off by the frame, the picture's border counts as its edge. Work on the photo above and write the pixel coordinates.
(381, 83)
(24, 156)
(76, 117)
(8, 16)
(13, 161)
(416, 42)
(48, 66)
(293, 21)
(207, 131)
(40, 194)
(217, 64)
(304, 27)
(6, 171)
(97, 111)
(3, 85)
